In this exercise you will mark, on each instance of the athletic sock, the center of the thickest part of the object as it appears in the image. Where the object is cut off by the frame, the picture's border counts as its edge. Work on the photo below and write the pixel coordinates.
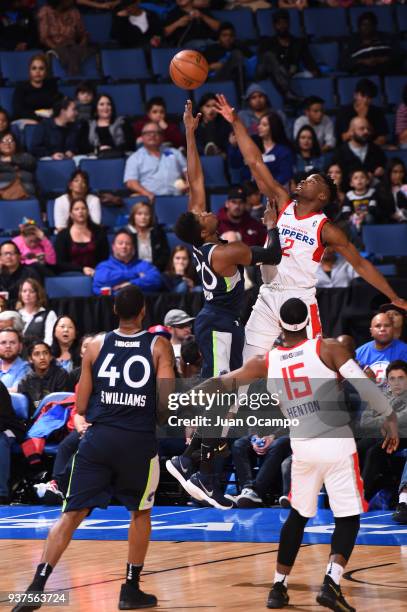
(280, 578)
(44, 571)
(133, 574)
(334, 571)
(403, 497)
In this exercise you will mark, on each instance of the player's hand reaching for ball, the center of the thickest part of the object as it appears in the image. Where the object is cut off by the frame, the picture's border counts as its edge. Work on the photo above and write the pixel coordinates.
(223, 108)
(190, 122)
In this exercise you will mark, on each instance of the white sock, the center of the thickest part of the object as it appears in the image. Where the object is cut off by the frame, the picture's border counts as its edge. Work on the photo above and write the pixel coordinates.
(280, 578)
(334, 571)
(403, 497)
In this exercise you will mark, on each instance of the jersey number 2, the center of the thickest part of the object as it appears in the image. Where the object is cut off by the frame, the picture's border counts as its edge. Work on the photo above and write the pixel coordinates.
(289, 243)
(113, 373)
(296, 386)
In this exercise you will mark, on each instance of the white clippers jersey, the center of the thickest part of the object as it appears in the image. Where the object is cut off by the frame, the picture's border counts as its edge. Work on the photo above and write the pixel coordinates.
(309, 392)
(302, 249)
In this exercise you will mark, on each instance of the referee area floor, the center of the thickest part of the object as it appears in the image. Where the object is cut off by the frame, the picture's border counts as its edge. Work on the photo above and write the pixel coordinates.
(203, 559)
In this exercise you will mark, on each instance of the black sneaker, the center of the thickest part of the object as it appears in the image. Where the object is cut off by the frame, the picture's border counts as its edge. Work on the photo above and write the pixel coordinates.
(181, 468)
(278, 596)
(25, 607)
(204, 488)
(400, 515)
(132, 598)
(330, 596)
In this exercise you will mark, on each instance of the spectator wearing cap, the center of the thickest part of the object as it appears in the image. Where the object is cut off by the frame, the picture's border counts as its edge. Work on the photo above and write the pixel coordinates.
(257, 105)
(12, 367)
(359, 151)
(233, 217)
(13, 272)
(365, 92)
(179, 324)
(398, 318)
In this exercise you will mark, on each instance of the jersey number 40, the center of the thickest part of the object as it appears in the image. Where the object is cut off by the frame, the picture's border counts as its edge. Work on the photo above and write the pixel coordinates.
(113, 373)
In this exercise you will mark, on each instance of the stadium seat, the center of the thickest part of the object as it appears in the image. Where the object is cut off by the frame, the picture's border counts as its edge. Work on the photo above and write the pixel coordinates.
(168, 208)
(89, 70)
(273, 94)
(104, 173)
(214, 172)
(27, 136)
(124, 64)
(58, 396)
(129, 202)
(53, 175)
(393, 87)
(160, 61)
(325, 54)
(400, 153)
(6, 99)
(384, 14)
(99, 26)
(127, 98)
(226, 87)
(20, 404)
(174, 241)
(326, 22)
(217, 201)
(68, 286)
(13, 211)
(67, 90)
(315, 87)
(264, 20)
(385, 240)
(346, 87)
(173, 96)
(15, 64)
(114, 217)
(401, 17)
(387, 269)
(242, 19)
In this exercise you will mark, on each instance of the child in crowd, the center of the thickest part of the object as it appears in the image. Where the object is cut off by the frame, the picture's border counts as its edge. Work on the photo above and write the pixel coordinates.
(360, 204)
(156, 111)
(314, 115)
(85, 97)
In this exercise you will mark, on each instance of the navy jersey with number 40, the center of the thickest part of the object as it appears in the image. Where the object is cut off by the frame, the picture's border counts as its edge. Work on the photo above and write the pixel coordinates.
(222, 291)
(124, 383)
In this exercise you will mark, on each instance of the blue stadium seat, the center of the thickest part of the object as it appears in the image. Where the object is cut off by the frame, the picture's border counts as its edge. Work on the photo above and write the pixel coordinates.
(214, 171)
(273, 94)
(58, 396)
(13, 211)
(226, 87)
(127, 98)
(387, 269)
(67, 90)
(386, 240)
(400, 153)
(89, 70)
(116, 216)
(217, 201)
(242, 19)
(346, 87)
(315, 87)
(401, 17)
(50, 213)
(98, 25)
(326, 22)
(393, 86)
(160, 61)
(20, 404)
(173, 96)
(15, 64)
(53, 175)
(325, 54)
(124, 64)
(168, 208)
(384, 14)
(6, 99)
(27, 136)
(129, 202)
(174, 241)
(68, 286)
(104, 173)
(264, 19)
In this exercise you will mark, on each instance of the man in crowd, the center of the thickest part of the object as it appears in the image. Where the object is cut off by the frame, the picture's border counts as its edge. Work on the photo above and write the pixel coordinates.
(57, 137)
(322, 125)
(359, 151)
(257, 104)
(11, 429)
(155, 169)
(233, 217)
(123, 268)
(12, 367)
(13, 272)
(187, 24)
(180, 325)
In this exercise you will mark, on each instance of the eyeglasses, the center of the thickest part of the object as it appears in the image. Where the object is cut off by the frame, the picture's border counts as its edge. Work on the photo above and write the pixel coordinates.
(8, 254)
(183, 325)
(7, 141)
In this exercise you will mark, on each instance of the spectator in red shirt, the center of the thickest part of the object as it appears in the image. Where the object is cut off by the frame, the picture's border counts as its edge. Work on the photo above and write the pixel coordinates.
(233, 217)
(156, 112)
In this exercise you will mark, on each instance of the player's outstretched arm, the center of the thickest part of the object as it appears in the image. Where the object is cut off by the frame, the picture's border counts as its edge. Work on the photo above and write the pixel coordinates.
(197, 199)
(334, 237)
(252, 155)
(163, 357)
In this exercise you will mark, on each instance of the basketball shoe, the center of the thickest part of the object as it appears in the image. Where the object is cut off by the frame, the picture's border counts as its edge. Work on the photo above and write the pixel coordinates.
(205, 488)
(181, 469)
(330, 596)
(133, 598)
(278, 596)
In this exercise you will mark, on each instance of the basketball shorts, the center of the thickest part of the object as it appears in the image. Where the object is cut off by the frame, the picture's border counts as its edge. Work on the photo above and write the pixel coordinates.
(262, 329)
(220, 338)
(342, 481)
(112, 462)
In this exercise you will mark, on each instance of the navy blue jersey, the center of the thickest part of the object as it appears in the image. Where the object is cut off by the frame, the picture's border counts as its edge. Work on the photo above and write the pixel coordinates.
(124, 383)
(224, 292)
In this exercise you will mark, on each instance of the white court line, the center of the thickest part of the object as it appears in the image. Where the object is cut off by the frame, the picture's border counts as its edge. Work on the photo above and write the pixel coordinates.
(7, 518)
(367, 518)
(157, 516)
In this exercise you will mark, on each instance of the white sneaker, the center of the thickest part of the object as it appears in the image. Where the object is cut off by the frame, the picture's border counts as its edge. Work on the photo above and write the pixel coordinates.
(249, 499)
(43, 487)
(284, 502)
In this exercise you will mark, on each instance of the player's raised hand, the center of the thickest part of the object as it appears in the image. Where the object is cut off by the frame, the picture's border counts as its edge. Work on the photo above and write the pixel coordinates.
(270, 214)
(400, 302)
(391, 434)
(223, 108)
(190, 122)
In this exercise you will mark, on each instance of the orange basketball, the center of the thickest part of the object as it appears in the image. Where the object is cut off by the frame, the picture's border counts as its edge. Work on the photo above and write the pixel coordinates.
(189, 69)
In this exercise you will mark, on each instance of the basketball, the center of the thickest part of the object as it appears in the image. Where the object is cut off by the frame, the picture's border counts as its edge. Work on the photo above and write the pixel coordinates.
(189, 69)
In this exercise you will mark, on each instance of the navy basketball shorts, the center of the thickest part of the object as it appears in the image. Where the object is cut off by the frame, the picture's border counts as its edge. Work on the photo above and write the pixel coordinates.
(112, 462)
(220, 338)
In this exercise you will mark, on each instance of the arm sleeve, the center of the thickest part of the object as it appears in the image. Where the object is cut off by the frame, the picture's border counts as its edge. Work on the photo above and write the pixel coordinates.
(271, 254)
(366, 388)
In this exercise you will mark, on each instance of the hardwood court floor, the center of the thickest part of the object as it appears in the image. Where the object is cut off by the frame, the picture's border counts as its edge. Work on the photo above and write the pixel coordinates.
(216, 576)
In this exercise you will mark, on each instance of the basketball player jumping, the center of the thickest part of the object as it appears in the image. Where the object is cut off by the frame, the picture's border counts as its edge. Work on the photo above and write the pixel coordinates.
(304, 233)
(324, 452)
(217, 327)
(118, 454)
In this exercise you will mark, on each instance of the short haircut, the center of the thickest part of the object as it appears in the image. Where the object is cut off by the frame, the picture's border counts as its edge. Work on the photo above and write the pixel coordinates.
(205, 98)
(312, 100)
(330, 183)
(129, 302)
(366, 87)
(294, 312)
(190, 352)
(397, 364)
(60, 105)
(122, 230)
(85, 87)
(10, 242)
(188, 229)
(226, 25)
(357, 169)
(12, 331)
(156, 101)
(36, 343)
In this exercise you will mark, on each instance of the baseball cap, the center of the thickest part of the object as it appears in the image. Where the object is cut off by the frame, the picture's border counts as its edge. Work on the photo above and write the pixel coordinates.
(236, 193)
(176, 316)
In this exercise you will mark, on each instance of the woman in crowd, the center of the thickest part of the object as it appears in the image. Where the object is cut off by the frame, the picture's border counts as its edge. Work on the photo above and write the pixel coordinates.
(17, 171)
(156, 111)
(38, 320)
(65, 345)
(83, 244)
(180, 276)
(150, 239)
(393, 192)
(308, 151)
(34, 247)
(106, 135)
(34, 99)
(337, 175)
(78, 187)
(213, 131)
